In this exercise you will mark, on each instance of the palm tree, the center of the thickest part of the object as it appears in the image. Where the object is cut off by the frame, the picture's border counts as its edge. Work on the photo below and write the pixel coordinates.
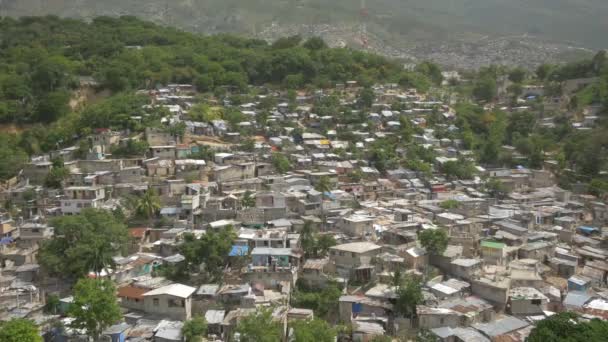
(148, 205)
(323, 186)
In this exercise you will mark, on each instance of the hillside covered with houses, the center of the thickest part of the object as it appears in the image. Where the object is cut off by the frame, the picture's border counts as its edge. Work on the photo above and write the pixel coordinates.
(164, 186)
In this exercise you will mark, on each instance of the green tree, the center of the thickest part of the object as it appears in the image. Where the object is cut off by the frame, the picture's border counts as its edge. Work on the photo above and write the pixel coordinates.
(367, 97)
(324, 302)
(148, 205)
(55, 177)
(315, 43)
(449, 204)
(496, 188)
(280, 163)
(323, 186)
(435, 241)
(496, 132)
(209, 253)
(598, 187)
(83, 243)
(52, 106)
(409, 294)
(294, 81)
(543, 71)
(19, 330)
(203, 113)
(517, 75)
(204, 83)
(425, 335)
(12, 157)
(50, 73)
(248, 201)
(314, 330)
(132, 148)
(194, 329)
(248, 145)
(568, 327)
(324, 243)
(52, 304)
(397, 278)
(178, 130)
(307, 240)
(485, 89)
(260, 326)
(431, 70)
(515, 90)
(460, 169)
(95, 307)
(287, 42)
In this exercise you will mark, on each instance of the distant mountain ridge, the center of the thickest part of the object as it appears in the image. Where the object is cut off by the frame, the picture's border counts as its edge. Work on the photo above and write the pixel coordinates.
(576, 22)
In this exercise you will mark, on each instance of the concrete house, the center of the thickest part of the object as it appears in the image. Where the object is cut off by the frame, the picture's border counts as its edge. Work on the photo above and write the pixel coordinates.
(8, 228)
(474, 309)
(354, 260)
(352, 307)
(314, 273)
(526, 301)
(31, 234)
(493, 252)
(174, 301)
(494, 291)
(163, 151)
(357, 225)
(77, 198)
(103, 139)
(416, 258)
(132, 297)
(465, 268)
(430, 318)
(223, 173)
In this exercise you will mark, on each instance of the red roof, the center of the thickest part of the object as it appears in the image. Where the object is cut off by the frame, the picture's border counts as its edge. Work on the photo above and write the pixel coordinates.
(132, 292)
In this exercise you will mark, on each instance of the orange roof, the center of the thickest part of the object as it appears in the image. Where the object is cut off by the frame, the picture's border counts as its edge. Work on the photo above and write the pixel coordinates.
(132, 292)
(137, 232)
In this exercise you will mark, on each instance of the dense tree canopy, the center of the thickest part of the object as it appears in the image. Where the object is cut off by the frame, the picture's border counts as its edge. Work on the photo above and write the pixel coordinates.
(314, 330)
(12, 157)
(43, 58)
(209, 253)
(435, 241)
(569, 327)
(19, 330)
(83, 243)
(95, 307)
(195, 329)
(323, 302)
(259, 327)
(409, 294)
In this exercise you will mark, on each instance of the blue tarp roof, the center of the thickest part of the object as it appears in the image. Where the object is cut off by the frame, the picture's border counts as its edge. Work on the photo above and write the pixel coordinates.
(329, 195)
(239, 250)
(588, 230)
(6, 240)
